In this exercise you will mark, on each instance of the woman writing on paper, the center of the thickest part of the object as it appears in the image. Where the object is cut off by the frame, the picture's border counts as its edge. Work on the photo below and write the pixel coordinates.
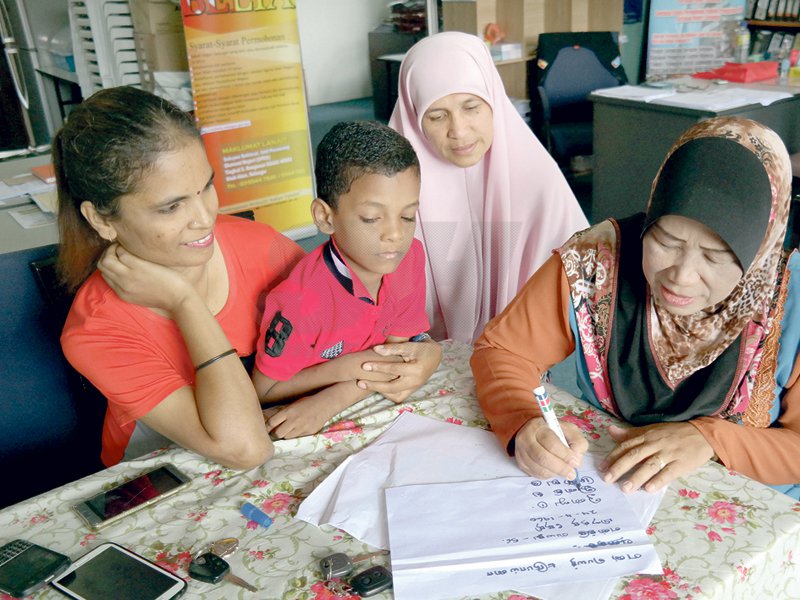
(493, 202)
(169, 290)
(684, 321)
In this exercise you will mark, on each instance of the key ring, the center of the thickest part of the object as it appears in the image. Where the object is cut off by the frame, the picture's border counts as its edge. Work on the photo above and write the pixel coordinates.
(337, 587)
(222, 548)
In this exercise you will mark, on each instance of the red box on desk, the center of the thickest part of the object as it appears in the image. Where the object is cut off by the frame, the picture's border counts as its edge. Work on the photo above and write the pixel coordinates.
(742, 72)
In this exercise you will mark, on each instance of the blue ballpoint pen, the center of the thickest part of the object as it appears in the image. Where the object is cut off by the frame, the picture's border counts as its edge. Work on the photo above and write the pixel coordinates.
(552, 422)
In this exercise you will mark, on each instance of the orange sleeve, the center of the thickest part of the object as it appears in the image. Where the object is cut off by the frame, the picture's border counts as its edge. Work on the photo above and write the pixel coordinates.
(767, 454)
(518, 345)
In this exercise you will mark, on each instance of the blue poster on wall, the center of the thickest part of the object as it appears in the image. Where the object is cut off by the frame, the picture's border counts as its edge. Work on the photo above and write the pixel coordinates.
(686, 37)
(632, 11)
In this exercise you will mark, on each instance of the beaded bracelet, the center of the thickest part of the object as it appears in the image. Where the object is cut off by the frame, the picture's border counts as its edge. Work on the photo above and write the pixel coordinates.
(203, 365)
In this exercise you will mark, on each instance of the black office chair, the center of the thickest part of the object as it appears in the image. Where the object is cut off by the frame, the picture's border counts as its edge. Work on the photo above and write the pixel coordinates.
(50, 425)
(568, 67)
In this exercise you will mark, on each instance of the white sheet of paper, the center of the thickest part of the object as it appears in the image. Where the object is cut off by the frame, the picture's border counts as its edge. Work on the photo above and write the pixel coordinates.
(419, 450)
(635, 92)
(456, 539)
(21, 185)
(413, 450)
(722, 98)
(31, 216)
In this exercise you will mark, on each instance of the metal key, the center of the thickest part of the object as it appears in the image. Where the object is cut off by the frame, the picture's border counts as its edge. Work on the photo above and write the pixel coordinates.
(211, 568)
(222, 548)
(339, 564)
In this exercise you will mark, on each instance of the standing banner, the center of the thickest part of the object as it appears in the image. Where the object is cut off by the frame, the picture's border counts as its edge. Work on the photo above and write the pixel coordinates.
(686, 36)
(249, 100)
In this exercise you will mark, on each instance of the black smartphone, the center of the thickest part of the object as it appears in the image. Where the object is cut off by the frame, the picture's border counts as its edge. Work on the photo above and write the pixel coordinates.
(25, 567)
(111, 505)
(111, 572)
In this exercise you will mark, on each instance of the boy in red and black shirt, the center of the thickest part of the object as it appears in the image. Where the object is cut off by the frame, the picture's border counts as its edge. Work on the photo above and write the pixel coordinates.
(364, 287)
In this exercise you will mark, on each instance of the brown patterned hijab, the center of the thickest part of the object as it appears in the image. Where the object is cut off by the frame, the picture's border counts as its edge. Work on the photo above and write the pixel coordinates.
(647, 365)
(734, 176)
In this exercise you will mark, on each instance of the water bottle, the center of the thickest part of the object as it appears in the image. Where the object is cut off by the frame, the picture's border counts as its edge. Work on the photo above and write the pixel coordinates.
(742, 49)
(784, 61)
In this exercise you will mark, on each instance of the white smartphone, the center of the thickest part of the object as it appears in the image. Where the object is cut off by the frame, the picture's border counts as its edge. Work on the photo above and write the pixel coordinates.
(111, 505)
(111, 572)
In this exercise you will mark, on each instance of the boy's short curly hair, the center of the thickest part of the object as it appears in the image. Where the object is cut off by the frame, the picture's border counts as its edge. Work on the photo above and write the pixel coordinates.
(355, 148)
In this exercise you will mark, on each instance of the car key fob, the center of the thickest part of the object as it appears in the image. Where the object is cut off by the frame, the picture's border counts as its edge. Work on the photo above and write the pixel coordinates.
(372, 581)
(209, 568)
(336, 565)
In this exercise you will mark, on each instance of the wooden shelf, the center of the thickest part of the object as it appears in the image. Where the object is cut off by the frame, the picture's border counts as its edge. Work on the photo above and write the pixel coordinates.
(774, 24)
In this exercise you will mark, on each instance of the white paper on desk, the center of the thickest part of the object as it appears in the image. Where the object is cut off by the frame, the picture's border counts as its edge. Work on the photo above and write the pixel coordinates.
(724, 98)
(47, 201)
(413, 450)
(635, 92)
(21, 185)
(456, 539)
(31, 216)
(417, 450)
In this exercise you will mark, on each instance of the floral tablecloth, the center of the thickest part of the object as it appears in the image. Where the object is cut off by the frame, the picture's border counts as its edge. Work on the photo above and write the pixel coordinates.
(718, 534)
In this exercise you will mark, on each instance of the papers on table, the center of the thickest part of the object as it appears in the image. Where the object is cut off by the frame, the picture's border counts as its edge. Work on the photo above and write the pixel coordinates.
(416, 451)
(413, 450)
(455, 539)
(16, 189)
(724, 98)
(47, 201)
(635, 92)
(30, 216)
(700, 96)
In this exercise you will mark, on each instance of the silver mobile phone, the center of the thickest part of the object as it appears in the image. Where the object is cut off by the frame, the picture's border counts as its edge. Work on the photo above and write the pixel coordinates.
(111, 572)
(111, 505)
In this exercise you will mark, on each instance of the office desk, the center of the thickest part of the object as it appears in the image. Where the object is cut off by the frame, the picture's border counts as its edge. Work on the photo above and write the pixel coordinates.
(718, 534)
(14, 237)
(632, 137)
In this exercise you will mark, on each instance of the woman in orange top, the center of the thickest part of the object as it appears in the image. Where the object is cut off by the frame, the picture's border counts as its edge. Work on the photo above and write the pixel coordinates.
(684, 322)
(168, 290)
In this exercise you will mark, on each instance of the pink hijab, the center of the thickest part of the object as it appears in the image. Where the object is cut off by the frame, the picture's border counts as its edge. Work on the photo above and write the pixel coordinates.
(488, 227)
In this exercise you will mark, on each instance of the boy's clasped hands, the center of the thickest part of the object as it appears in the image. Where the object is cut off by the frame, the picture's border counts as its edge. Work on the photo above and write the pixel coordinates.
(393, 370)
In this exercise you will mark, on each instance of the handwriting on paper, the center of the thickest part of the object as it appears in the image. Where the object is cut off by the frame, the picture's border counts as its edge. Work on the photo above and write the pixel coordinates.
(522, 531)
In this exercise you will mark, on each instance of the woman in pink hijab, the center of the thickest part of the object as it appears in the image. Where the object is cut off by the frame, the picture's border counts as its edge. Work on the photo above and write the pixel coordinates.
(493, 203)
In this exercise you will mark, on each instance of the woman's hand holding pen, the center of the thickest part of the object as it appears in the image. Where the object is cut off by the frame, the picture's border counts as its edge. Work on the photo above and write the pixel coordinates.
(541, 454)
(654, 455)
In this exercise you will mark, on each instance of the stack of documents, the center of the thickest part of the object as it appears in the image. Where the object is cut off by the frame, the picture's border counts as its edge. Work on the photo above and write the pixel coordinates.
(720, 98)
(461, 518)
(635, 92)
(20, 189)
(700, 96)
